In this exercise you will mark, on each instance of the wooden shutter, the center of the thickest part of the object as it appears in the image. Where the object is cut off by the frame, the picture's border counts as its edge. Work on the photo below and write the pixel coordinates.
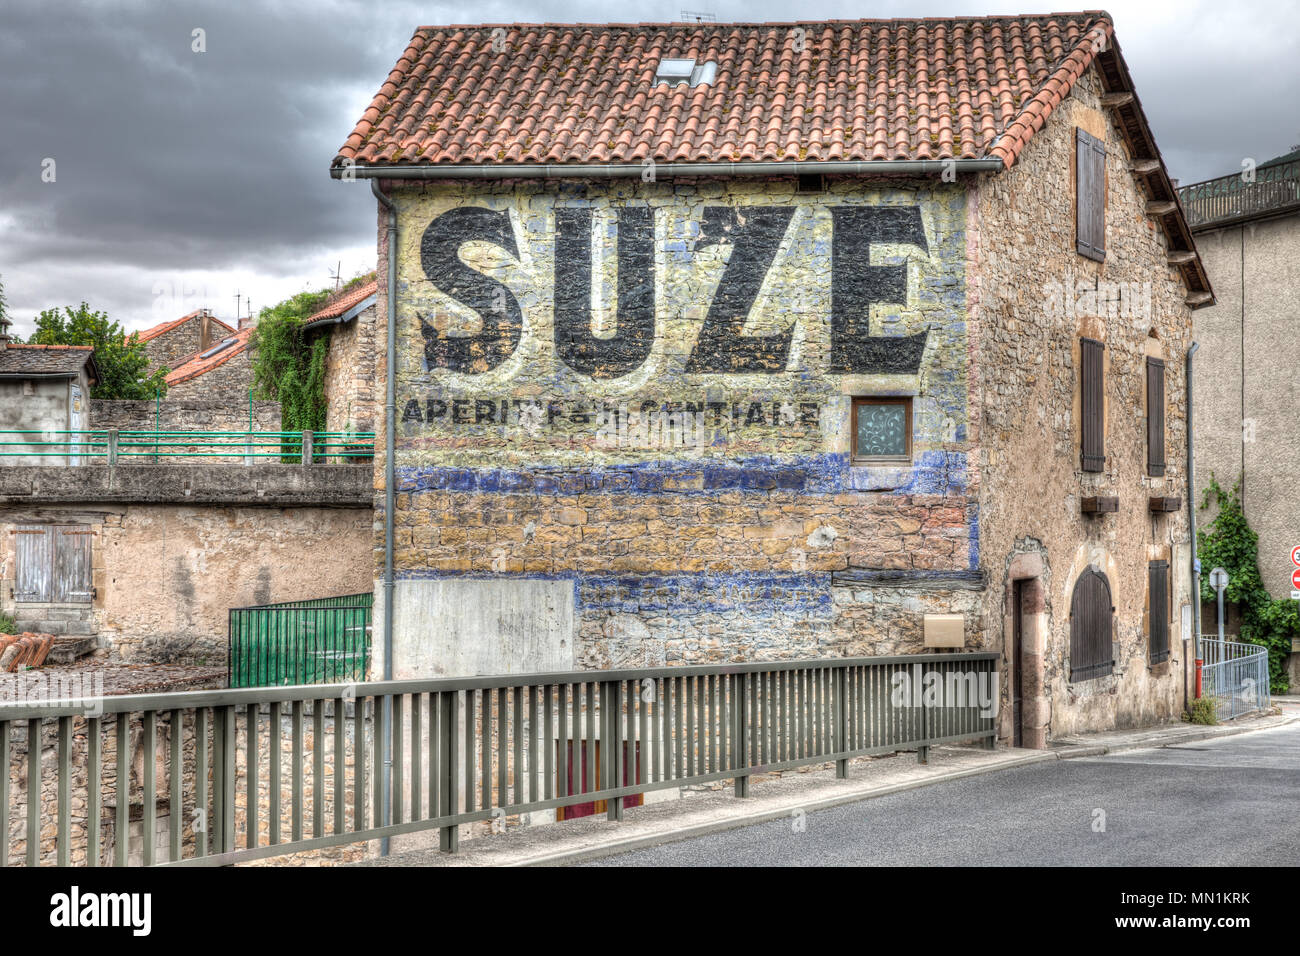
(1158, 597)
(1092, 405)
(72, 567)
(1155, 416)
(34, 554)
(1090, 627)
(1090, 195)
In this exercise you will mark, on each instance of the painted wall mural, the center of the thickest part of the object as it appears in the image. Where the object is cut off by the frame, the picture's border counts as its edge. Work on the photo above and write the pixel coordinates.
(605, 363)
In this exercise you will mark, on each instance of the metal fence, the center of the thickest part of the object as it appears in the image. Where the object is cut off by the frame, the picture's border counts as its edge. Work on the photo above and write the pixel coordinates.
(318, 641)
(111, 445)
(234, 775)
(1232, 198)
(1235, 675)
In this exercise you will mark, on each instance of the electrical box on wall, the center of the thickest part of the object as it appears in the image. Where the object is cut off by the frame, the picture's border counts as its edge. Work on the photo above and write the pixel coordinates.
(945, 630)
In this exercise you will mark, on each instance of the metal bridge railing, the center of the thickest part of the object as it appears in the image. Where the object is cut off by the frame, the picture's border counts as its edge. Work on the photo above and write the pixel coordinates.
(317, 641)
(1235, 675)
(1233, 198)
(110, 445)
(256, 773)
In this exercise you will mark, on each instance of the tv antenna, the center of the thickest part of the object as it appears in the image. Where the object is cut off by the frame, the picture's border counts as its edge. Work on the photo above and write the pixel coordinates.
(699, 16)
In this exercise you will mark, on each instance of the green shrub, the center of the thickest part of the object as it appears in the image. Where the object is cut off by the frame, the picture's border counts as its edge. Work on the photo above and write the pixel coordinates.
(8, 625)
(1203, 710)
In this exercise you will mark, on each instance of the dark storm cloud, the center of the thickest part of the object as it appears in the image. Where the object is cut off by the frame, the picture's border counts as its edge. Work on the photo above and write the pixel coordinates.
(175, 163)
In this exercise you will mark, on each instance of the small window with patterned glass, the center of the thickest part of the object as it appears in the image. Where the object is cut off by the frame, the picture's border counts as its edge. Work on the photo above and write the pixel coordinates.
(882, 430)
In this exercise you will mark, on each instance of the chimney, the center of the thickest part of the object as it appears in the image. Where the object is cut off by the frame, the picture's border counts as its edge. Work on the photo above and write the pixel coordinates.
(5, 338)
(205, 330)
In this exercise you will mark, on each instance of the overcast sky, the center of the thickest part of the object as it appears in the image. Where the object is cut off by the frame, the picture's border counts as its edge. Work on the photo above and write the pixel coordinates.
(183, 178)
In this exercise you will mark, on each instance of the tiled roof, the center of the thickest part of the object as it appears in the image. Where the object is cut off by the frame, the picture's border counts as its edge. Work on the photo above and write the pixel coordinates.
(164, 327)
(197, 364)
(839, 91)
(62, 360)
(852, 90)
(341, 304)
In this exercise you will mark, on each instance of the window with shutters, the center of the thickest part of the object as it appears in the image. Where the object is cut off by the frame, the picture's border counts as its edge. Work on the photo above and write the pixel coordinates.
(1092, 405)
(1090, 195)
(1091, 613)
(1158, 598)
(1155, 416)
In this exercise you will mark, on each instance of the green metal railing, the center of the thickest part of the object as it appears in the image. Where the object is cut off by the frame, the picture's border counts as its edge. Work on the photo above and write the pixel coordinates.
(113, 445)
(241, 779)
(323, 640)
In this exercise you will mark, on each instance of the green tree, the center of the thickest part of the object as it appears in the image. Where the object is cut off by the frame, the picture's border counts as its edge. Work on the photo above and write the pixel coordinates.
(121, 360)
(1230, 543)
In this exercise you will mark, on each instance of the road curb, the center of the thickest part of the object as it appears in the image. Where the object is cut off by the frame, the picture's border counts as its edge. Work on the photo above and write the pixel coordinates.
(614, 847)
(1182, 737)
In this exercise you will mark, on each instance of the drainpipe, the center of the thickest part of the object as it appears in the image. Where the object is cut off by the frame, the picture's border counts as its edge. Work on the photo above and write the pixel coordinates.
(390, 440)
(1191, 525)
(619, 170)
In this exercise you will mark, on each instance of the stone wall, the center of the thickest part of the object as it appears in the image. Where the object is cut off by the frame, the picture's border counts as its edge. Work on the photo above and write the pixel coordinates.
(173, 347)
(677, 486)
(1032, 303)
(229, 382)
(351, 400)
(173, 548)
(184, 413)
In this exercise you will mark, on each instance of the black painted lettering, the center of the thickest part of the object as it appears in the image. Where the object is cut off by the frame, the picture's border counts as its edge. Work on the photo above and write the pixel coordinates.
(856, 285)
(629, 346)
(754, 233)
(502, 319)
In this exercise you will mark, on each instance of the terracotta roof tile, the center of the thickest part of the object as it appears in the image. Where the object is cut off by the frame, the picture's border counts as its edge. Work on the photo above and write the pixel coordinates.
(343, 302)
(197, 364)
(784, 92)
(164, 327)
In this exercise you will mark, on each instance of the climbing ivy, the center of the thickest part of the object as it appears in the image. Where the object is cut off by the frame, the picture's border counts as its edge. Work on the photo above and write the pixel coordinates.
(286, 367)
(1228, 542)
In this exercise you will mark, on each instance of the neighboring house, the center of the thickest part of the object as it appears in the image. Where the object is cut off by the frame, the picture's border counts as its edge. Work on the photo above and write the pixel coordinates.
(168, 344)
(754, 342)
(221, 373)
(349, 321)
(1247, 390)
(46, 389)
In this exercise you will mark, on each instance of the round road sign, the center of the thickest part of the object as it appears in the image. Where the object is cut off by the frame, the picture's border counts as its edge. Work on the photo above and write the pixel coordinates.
(1295, 554)
(1295, 578)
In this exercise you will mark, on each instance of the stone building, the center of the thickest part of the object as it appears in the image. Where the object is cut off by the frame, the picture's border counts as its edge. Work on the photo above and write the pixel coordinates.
(221, 373)
(44, 393)
(787, 341)
(348, 319)
(1247, 393)
(169, 344)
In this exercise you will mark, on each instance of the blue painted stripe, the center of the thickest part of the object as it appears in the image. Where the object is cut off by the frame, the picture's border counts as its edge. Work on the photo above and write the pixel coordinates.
(934, 472)
(755, 593)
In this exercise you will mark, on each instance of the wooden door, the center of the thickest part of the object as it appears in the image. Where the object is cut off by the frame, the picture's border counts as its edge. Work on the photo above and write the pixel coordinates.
(1017, 661)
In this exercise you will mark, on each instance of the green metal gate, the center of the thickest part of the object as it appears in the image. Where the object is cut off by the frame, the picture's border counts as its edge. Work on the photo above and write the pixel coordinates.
(318, 641)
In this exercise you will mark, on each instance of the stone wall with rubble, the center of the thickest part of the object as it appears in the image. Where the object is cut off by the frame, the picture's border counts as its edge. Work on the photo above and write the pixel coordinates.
(352, 404)
(184, 413)
(229, 382)
(624, 414)
(173, 548)
(1033, 297)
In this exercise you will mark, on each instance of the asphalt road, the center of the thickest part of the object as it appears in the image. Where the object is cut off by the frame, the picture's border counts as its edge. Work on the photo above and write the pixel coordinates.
(1231, 801)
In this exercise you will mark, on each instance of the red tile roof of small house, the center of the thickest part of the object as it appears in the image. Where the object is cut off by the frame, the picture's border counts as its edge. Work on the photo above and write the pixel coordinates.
(198, 364)
(844, 90)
